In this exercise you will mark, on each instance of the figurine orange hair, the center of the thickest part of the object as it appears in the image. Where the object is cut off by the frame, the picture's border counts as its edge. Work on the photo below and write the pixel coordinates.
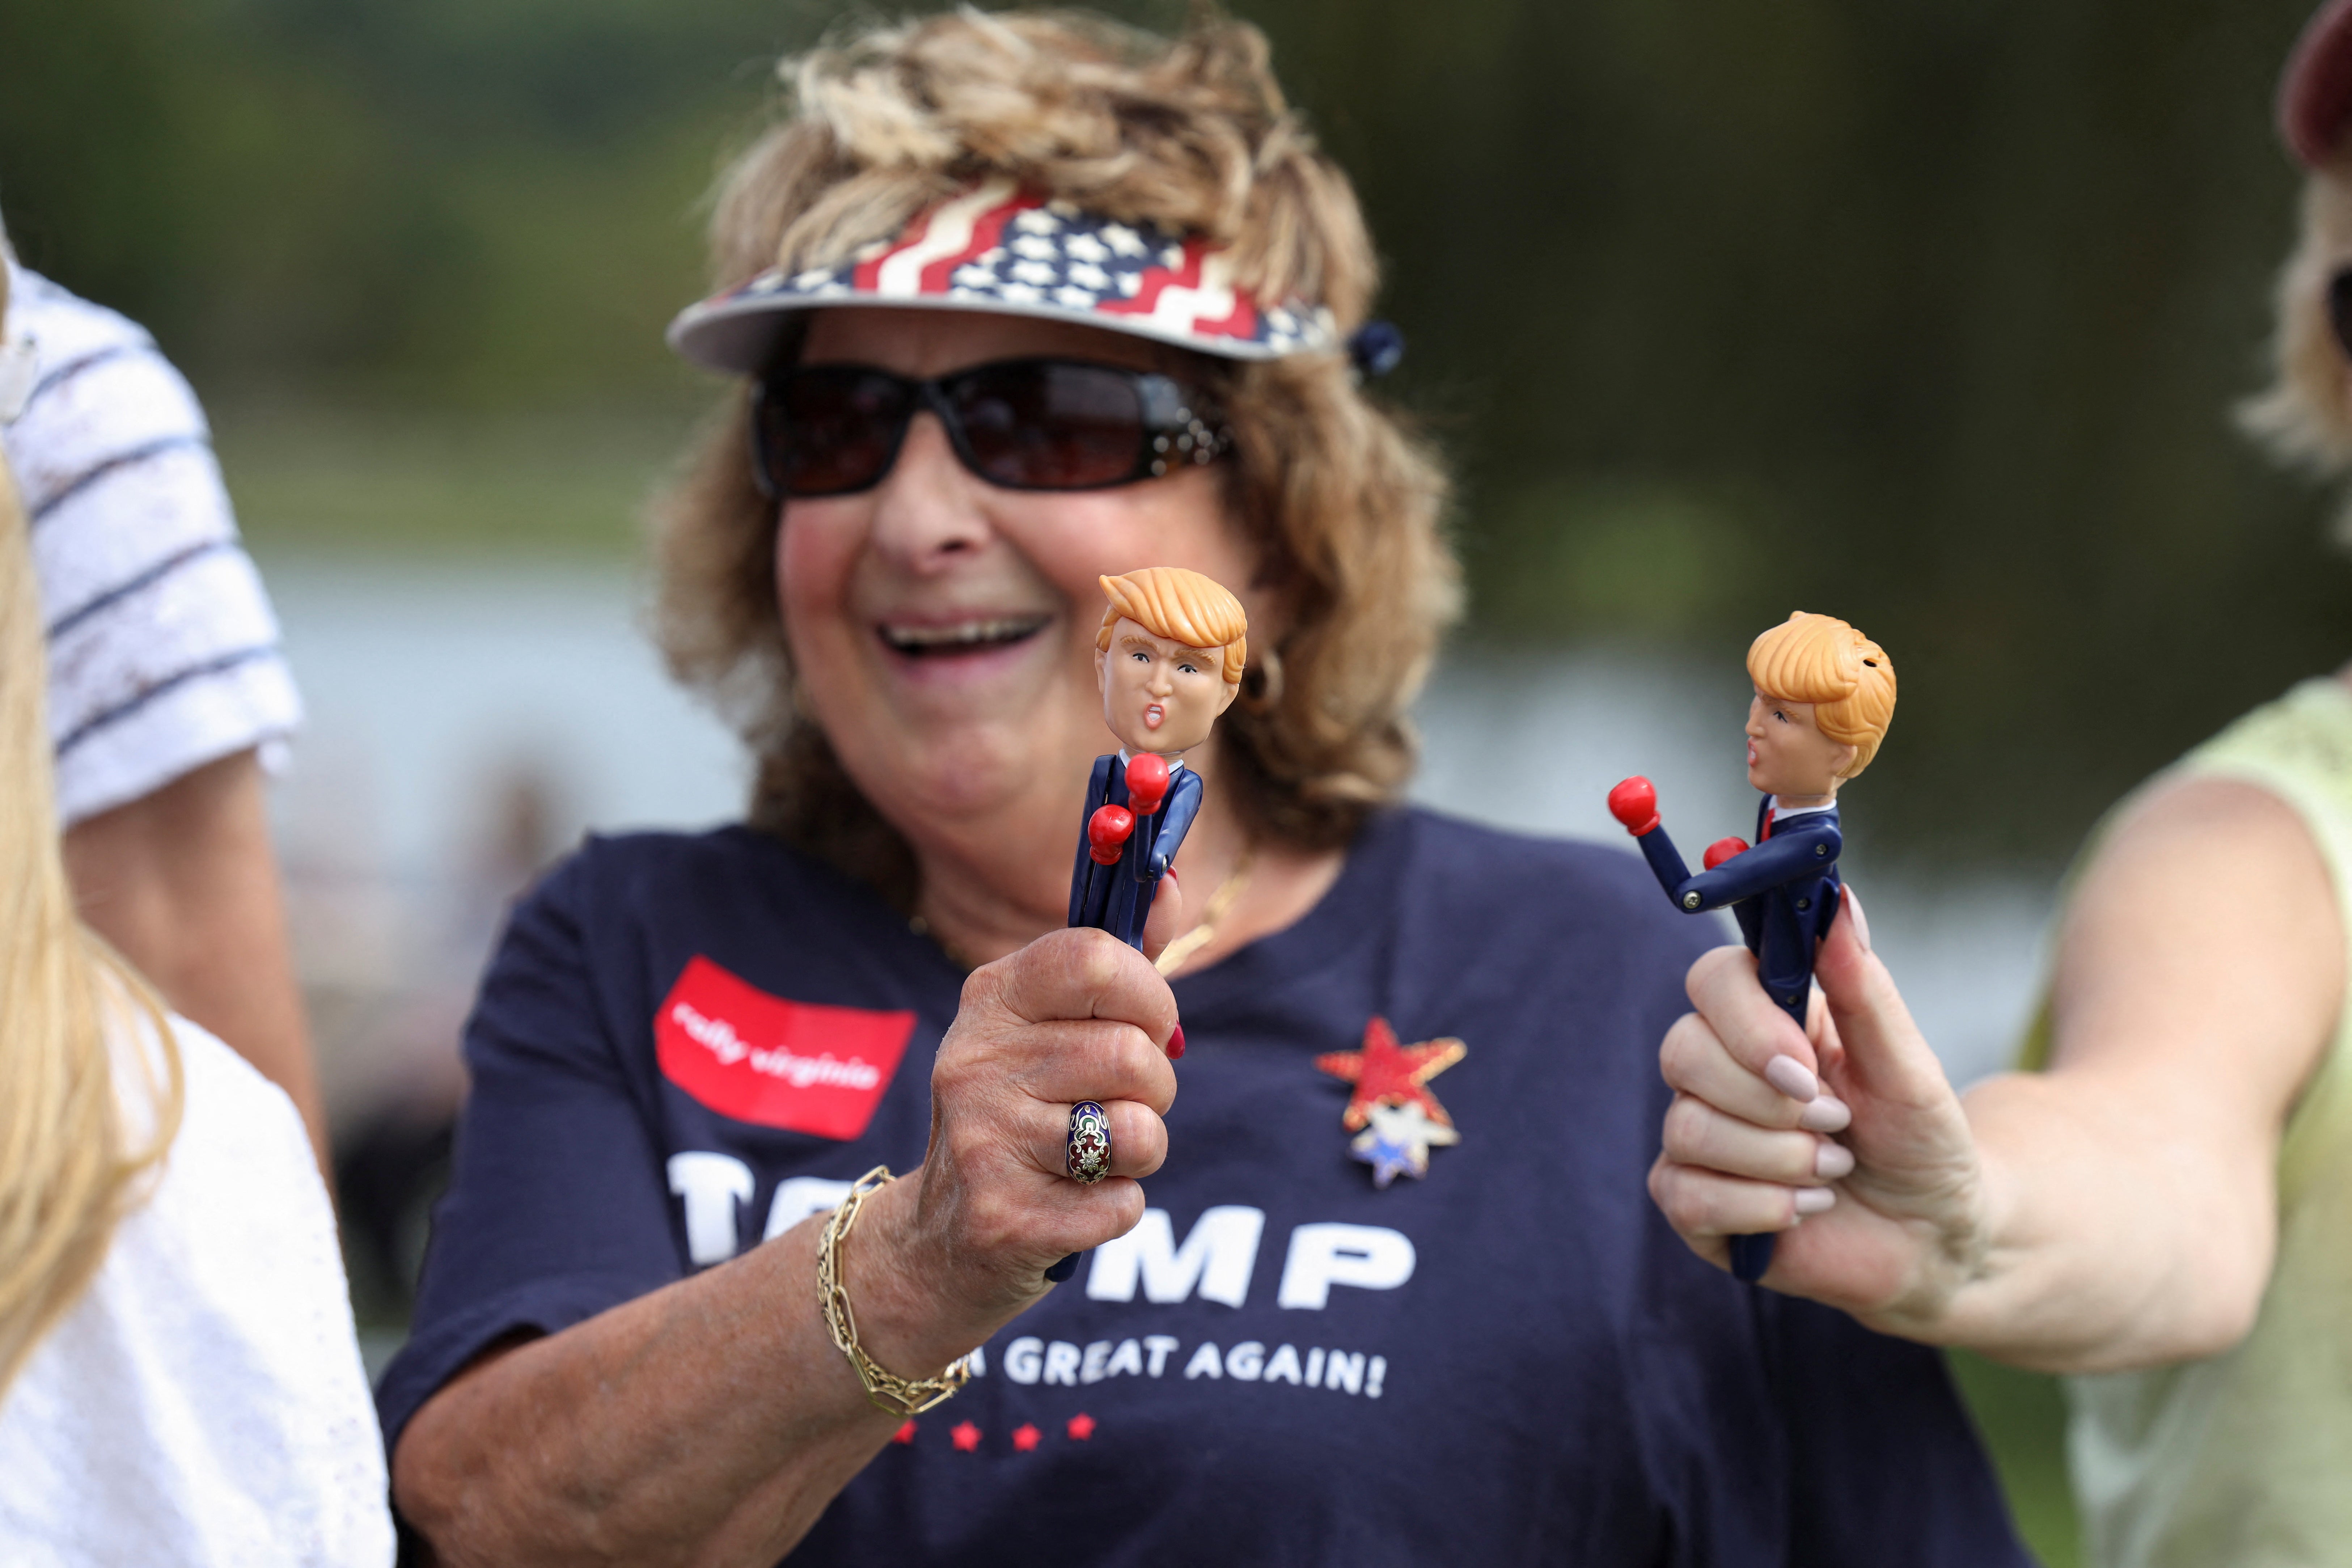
(1847, 677)
(1183, 606)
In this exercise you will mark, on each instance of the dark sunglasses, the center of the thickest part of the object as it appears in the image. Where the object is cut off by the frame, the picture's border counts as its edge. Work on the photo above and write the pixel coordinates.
(2340, 309)
(1022, 424)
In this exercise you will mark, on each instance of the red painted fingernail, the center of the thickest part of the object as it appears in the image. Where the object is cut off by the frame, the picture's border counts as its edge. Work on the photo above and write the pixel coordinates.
(1175, 1042)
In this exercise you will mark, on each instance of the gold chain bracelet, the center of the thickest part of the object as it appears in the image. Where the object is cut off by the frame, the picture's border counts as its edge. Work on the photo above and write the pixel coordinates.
(886, 1389)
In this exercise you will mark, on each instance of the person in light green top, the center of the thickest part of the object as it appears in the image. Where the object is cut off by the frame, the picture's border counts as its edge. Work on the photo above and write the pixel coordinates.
(2244, 1457)
(2161, 1205)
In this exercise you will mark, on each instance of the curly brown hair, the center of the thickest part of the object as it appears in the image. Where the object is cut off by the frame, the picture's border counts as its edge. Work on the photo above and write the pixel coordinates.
(1191, 133)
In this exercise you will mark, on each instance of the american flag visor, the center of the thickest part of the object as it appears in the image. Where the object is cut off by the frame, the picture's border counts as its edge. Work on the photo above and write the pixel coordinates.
(996, 247)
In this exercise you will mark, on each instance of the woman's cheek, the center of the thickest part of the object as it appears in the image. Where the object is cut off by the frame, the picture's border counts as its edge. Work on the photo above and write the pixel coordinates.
(816, 553)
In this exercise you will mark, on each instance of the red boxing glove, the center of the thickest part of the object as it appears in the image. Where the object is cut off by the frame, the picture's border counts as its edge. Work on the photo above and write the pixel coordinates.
(1723, 849)
(1634, 803)
(1146, 783)
(1107, 830)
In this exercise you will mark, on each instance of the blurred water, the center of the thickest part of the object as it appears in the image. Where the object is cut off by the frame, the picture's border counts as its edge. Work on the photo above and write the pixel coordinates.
(466, 721)
(427, 687)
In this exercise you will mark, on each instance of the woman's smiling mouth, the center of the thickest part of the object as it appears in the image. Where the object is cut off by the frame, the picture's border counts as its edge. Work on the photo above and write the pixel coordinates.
(947, 639)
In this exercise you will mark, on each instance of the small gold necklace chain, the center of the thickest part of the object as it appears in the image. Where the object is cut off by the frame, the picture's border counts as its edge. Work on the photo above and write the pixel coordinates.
(1221, 904)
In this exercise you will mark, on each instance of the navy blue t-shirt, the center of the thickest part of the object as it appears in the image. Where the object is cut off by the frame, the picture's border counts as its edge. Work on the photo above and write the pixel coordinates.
(1511, 1359)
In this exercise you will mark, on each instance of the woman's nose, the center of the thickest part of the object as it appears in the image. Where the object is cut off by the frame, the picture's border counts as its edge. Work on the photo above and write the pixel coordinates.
(925, 511)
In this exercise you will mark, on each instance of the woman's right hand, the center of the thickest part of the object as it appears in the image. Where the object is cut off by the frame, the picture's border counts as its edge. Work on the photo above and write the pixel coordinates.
(940, 1260)
(1851, 1144)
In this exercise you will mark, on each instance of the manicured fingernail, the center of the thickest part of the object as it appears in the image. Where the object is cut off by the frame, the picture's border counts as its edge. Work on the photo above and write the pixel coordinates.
(1175, 1042)
(1791, 1078)
(1814, 1200)
(1861, 920)
(1825, 1115)
(1832, 1162)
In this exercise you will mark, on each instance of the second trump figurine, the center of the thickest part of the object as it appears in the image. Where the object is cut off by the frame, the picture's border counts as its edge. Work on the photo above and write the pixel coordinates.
(1824, 695)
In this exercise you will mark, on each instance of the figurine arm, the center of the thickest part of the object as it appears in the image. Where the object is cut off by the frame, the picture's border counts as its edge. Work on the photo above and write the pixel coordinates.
(1665, 860)
(1175, 821)
(1634, 804)
(1782, 859)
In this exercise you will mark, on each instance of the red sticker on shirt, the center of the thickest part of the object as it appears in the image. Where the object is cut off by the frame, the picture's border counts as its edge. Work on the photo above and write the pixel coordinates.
(802, 1066)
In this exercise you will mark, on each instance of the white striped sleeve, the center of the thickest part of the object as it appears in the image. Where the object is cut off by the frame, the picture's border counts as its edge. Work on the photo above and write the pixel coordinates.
(163, 650)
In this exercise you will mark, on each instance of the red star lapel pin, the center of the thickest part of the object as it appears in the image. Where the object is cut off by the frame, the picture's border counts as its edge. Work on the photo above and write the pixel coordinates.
(1386, 1073)
(1392, 1095)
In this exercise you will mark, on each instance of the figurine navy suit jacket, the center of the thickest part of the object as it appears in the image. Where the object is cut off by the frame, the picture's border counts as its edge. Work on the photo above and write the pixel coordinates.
(1784, 892)
(1117, 898)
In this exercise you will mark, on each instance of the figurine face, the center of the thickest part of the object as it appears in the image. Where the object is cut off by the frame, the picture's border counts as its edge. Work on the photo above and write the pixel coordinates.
(1788, 755)
(1158, 694)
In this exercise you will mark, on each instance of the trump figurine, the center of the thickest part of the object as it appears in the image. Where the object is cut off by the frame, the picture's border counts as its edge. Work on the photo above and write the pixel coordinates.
(1824, 694)
(1170, 658)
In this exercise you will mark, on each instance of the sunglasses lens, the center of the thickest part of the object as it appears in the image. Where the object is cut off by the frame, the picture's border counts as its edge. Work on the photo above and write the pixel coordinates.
(826, 430)
(1051, 426)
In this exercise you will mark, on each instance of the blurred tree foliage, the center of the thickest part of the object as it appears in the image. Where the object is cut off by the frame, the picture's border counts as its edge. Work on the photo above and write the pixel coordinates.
(1925, 313)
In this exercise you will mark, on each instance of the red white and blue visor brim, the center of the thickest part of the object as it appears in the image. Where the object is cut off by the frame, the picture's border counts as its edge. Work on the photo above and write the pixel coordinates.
(999, 249)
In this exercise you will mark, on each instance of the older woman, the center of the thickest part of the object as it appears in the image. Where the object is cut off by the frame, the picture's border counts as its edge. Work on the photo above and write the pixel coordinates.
(1021, 301)
(2165, 1210)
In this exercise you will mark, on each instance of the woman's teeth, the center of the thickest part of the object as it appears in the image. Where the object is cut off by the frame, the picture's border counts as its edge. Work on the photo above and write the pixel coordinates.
(964, 637)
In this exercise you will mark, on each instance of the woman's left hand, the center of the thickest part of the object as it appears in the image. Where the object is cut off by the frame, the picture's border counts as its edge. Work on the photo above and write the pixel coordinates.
(1847, 1140)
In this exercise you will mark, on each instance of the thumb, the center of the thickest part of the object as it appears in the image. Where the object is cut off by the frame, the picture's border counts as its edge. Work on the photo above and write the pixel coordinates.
(1167, 917)
(1885, 1057)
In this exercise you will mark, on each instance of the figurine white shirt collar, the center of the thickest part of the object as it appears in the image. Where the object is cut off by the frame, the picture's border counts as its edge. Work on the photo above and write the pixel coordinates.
(1780, 811)
(1173, 762)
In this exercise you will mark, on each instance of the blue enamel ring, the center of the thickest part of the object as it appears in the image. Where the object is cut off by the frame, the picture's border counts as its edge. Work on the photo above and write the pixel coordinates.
(1087, 1155)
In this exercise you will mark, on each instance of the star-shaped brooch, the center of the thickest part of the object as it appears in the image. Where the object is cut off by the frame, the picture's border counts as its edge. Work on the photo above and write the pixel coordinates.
(1399, 1141)
(1398, 1118)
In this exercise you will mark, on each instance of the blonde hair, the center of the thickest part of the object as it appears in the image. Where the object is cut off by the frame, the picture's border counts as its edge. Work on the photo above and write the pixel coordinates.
(65, 1175)
(2304, 416)
(1846, 677)
(1341, 503)
(1183, 606)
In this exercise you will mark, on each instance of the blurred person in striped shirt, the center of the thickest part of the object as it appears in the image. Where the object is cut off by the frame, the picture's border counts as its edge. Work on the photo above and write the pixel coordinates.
(169, 696)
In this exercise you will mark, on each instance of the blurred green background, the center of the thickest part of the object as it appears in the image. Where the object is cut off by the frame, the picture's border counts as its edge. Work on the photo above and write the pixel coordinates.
(1925, 313)
(1928, 313)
